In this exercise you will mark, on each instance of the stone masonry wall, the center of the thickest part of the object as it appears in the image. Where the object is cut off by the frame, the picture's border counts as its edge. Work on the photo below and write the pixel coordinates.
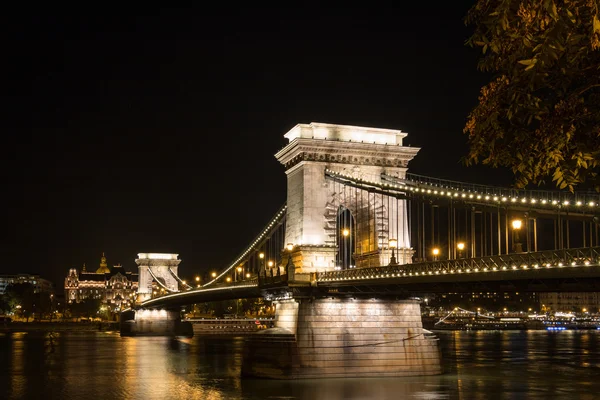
(360, 337)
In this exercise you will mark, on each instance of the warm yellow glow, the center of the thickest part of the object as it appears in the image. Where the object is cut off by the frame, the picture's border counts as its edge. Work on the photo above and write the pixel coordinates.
(239, 269)
(290, 247)
(584, 310)
(393, 243)
(247, 275)
(270, 263)
(261, 255)
(228, 279)
(346, 232)
(197, 279)
(436, 251)
(516, 224)
(157, 256)
(214, 274)
(183, 282)
(460, 246)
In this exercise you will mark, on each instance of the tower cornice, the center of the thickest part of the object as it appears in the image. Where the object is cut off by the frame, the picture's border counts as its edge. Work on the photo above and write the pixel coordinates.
(345, 152)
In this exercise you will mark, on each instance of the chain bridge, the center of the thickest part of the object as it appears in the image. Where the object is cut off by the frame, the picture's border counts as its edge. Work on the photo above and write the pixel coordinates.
(359, 237)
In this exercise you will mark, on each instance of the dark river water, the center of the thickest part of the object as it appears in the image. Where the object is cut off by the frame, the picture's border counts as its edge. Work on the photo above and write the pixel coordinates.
(478, 365)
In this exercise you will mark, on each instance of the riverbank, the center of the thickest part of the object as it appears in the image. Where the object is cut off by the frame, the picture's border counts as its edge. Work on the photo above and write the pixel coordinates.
(59, 327)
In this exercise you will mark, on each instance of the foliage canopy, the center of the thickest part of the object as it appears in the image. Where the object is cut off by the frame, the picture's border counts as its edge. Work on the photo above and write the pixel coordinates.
(540, 114)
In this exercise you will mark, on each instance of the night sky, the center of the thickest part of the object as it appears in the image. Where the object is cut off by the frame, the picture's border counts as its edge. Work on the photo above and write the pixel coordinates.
(134, 131)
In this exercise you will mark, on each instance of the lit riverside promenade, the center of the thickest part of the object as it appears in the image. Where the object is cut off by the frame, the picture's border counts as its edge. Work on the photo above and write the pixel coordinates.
(337, 259)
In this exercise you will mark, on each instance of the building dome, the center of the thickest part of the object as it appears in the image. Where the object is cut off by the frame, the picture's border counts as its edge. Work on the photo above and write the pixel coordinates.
(103, 266)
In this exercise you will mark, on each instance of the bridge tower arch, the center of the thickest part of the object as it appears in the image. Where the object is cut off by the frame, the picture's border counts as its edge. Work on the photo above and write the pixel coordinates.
(313, 200)
(159, 267)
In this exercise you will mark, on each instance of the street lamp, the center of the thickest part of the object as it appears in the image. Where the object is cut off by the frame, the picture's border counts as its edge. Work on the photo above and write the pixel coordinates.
(516, 225)
(228, 279)
(346, 232)
(214, 274)
(238, 270)
(247, 275)
(393, 243)
(197, 279)
(436, 253)
(290, 268)
(460, 246)
(261, 257)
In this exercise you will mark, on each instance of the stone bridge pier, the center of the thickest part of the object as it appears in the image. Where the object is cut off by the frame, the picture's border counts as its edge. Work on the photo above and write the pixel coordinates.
(153, 322)
(343, 337)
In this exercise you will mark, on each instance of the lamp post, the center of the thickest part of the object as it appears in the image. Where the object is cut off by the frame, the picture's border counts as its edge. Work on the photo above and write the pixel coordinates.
(261, 257)
(290, 268)
(393, 243)
(516, 225)
(238, 270)
(460, 246)
(214, 275)
(270, 264)
(436, 253)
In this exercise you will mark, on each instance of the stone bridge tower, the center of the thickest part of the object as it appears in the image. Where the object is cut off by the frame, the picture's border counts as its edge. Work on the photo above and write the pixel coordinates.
(313, 202)
(156, 266)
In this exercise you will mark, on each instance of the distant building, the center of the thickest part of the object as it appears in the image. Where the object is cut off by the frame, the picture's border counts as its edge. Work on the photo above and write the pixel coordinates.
(570, 301)
(114, 286)
(40, 285)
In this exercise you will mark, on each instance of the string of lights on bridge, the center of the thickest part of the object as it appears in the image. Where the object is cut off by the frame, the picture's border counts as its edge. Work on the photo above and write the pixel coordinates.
(431, 189)
(326, 277)
(253, 246)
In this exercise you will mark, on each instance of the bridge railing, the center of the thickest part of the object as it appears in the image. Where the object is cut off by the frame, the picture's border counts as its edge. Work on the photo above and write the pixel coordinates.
(519, 261)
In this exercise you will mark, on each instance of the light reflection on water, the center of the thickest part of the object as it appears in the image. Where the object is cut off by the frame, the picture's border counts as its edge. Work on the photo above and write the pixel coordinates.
(478, 365)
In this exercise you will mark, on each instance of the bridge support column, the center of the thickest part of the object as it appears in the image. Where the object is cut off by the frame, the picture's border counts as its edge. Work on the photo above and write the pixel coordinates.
(323, 338)
(146, 322)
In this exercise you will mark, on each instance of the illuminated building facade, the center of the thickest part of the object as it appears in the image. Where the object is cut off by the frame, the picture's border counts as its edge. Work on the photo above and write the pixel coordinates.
(570, 301)
(114, 286)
